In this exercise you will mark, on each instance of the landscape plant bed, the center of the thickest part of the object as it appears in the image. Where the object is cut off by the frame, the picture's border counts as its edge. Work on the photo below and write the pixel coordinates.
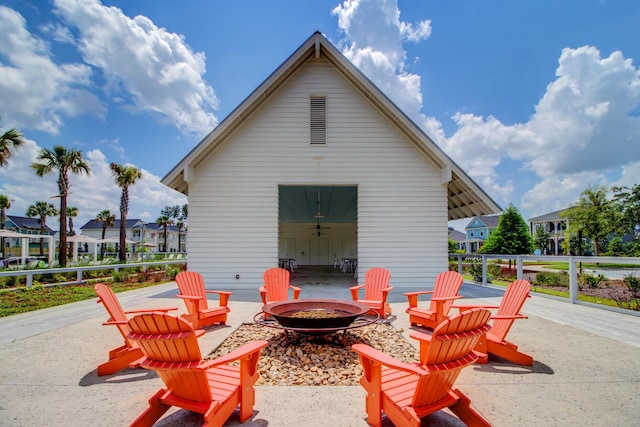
(23, 299)
(612, 293)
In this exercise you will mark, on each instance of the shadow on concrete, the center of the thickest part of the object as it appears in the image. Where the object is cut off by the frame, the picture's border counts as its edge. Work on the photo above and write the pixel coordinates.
(127, 375)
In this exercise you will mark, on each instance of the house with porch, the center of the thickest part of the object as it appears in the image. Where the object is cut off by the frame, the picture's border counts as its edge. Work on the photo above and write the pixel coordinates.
(478, 229)
(318, 165)
(24, 225)
(148, 235)
(555, 225)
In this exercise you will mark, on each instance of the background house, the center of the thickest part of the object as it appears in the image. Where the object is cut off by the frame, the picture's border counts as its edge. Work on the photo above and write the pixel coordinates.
(478, 229)
(24, 225)
(459, 237)
(553, 224)
(152, 233)
(149, 235)
(317, 164)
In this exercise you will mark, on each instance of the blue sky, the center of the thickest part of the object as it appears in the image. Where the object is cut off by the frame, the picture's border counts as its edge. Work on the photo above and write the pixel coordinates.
(535, 100)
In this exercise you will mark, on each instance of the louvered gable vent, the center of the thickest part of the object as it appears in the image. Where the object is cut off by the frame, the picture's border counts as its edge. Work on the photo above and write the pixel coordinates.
(318, 115)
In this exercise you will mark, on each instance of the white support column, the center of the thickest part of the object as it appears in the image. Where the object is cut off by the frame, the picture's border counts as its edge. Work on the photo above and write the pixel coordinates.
(52, 248)
(24, 250)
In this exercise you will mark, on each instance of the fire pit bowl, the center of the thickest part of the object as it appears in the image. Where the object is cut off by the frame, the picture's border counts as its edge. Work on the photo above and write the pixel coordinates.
(315, 314)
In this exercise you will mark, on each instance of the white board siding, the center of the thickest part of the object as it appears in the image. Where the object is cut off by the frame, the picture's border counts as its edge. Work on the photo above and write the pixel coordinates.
(233, 200)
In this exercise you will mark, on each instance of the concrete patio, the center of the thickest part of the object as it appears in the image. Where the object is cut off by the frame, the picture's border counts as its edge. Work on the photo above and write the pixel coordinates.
(586, 369)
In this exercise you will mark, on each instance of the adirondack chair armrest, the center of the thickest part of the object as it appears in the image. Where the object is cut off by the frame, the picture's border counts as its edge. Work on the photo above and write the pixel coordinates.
(374, 355)
(245, 350)
(354, 291)
(420, 336)
(151, 310)
(114, 322)
(452, 297)
(193, 297)
(413, 297)
(503, 317)
(469, 307)
(296, 291)
(224, 296)
(423, 339)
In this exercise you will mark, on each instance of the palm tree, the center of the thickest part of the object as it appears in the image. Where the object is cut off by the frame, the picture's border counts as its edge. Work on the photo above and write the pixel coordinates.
(43, 210)
(64, 160)
(165, 222)
(10, 139)
(125, 175)
(181, 223)
(72, 212)
(108, 220)
(5, 204)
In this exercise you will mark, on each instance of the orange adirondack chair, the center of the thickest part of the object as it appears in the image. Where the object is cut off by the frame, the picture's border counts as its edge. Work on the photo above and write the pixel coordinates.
(376, 288)
(123, 356)
(276, 286)
(445, 290)
(494, 342)
(194, 294)
(213, 388)
(406, 392)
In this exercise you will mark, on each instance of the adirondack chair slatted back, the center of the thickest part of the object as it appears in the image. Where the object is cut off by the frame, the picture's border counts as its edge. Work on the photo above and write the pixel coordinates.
(447, 284)
(512, 301)
(192, 283)
(449, 350)
(455, 337)
(171, 348)
(276, 282)
(375, 280)
(116, 313)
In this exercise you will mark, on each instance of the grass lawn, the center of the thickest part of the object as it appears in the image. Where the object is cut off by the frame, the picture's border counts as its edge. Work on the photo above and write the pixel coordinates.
(555, 292)
(25, 299)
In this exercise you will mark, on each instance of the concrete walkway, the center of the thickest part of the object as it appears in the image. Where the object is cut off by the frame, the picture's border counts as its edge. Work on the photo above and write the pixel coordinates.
(586, 370)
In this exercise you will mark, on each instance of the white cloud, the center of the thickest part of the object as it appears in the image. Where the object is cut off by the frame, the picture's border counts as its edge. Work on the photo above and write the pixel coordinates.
(583, 131)
(584, 117)
(557, 192)
(374, 37)
(58, 32)
(44, 92)
(89, 193)
(151, 69)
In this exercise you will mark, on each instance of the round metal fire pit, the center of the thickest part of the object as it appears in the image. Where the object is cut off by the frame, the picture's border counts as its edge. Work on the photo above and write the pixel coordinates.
(316, 316)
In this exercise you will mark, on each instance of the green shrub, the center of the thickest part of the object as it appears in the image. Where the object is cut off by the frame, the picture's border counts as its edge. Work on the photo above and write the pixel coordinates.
(120, 276)
(633, 283)
(493, 270)
(172, 272)
(57, 278)
(475, 269)
(590, 281)
(545, 278)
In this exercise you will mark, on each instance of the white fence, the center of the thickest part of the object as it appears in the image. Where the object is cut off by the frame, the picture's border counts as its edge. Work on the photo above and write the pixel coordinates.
(29, 273)
(614, 268)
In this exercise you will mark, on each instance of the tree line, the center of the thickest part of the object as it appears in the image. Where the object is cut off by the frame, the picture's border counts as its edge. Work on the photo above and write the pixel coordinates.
(64, 161)
(604, 221)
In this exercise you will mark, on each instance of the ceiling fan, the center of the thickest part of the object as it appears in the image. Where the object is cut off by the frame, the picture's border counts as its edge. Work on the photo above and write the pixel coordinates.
(319, 227)
(317, 216)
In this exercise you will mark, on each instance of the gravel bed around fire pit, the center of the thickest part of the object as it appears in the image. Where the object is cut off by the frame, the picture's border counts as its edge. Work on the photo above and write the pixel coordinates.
(309, 360)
